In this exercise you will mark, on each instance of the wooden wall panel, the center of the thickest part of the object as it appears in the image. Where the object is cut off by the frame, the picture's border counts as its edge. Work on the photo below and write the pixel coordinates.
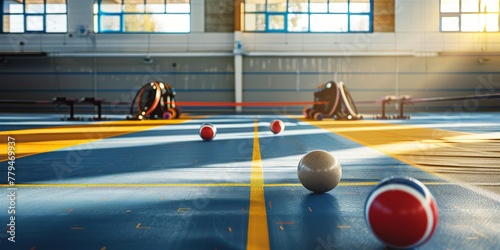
(219, 15)
(383, 16)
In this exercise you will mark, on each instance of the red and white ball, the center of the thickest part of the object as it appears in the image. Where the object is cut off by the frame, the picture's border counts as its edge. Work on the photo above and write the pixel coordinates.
(208, 131)
(277, 126)
(401, 212)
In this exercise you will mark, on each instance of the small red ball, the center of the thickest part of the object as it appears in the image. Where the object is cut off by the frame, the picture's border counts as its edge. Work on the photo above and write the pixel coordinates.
(207, 131)
(277, 126)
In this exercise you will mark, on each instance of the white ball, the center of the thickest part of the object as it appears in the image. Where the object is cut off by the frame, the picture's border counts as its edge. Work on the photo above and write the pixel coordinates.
(319, 171)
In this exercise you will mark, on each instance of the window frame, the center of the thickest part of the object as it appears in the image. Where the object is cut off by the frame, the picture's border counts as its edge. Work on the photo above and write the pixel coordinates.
(459, 14)
(288, 13)
(25, 15)
(99, 14)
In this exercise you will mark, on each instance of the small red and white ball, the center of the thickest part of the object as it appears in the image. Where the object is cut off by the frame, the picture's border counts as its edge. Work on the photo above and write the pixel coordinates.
(277, 126)
(207, 131)
(401, 212)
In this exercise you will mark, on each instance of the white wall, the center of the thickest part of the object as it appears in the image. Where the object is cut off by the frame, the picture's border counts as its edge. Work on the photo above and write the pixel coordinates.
(416, 32)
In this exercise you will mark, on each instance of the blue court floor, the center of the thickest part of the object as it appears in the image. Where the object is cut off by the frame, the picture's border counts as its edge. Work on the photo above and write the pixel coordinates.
(157, 185)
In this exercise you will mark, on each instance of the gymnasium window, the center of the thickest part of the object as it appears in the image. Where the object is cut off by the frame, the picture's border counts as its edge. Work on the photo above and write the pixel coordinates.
(469, 15)
(308, 15)
(142, 16)
(42, 16)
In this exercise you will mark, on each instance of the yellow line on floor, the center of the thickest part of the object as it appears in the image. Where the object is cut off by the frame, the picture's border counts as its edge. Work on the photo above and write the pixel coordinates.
(124, 185)
(128, 185)
(258, 235)
(42, 140)
(436, 151)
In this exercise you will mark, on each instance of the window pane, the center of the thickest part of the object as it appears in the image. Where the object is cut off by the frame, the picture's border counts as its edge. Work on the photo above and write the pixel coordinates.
(276, 22)
(297, 6)
(33, 8)
(450, 5)
(57, 23)
(12, 6)
(110, 23)
(319, 6)
(13, 23)
(178, 6)
(489, 6)
(450, 23)
(480, 22)
(138, 16)
(298, 22)
(360, 23)
(56, 6)
(179, 23)
(308, 15)
(164, 23)
(470, 5)
(109, 6)
(471, 22)
(34, 23)
(328, 23)
(338, 6)
(138, 23)
(255, 22)
(155, 6)
(255, 5)
(276, 5)
(133, 6)
(359, 6)
(491, 22)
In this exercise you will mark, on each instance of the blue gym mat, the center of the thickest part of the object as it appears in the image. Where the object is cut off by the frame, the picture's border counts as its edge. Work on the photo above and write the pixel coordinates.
(163, 187)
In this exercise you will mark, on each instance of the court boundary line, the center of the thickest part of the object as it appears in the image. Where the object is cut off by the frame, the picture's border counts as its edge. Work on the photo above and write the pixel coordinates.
(471, 186)
(134, 185)
(258, 231)
(89, 133)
